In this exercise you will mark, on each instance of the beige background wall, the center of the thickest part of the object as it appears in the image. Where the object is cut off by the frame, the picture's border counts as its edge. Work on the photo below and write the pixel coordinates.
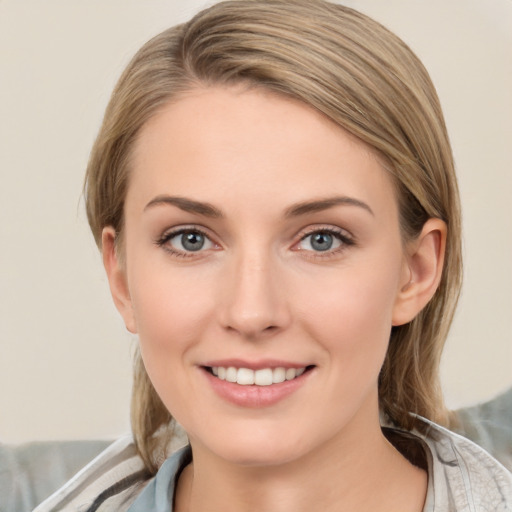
(64, 354)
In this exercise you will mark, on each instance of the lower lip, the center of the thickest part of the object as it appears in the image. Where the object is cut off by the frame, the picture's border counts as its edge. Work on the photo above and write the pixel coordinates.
(255, 396)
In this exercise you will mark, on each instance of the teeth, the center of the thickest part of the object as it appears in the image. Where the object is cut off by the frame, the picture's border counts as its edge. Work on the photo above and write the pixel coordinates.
(245, 377)
(263, 377)
(291, 373)
(231, 374)
(278, 375)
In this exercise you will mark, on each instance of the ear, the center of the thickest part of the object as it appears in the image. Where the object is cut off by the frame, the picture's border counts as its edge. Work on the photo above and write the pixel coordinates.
(116, 274)
(423, 267)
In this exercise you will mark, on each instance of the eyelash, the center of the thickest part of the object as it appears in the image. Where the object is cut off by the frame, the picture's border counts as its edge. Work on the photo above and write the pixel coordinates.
(169, 235)
(342, 236)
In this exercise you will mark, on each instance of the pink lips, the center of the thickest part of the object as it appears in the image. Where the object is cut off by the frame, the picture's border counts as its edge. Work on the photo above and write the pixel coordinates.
(254, 396)
(253, 365)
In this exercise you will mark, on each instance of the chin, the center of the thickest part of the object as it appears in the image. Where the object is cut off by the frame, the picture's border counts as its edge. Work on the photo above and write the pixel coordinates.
(256, 448)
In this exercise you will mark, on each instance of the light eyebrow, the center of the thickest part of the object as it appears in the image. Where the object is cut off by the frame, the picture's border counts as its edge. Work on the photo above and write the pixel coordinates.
(324, 204)
(187, 205)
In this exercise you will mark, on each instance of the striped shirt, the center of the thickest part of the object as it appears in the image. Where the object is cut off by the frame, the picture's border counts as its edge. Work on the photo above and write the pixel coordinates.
(462, 477)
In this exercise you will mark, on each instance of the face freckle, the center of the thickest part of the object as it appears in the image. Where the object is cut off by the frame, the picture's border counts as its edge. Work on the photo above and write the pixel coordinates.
(262, 237)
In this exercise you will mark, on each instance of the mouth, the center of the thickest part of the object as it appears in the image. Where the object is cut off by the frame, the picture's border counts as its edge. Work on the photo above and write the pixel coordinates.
(260, 377)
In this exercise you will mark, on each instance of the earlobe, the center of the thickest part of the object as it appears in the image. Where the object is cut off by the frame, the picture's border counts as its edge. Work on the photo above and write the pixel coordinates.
(423, 268)
(116, 275)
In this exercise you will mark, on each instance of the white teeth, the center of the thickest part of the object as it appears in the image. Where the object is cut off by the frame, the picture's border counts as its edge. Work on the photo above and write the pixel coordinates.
(231, 374)
(291, 373)
(245, 377)
(278, 375)
(263, 377)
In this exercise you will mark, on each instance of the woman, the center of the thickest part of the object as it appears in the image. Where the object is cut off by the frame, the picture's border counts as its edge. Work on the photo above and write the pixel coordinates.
(273, 193)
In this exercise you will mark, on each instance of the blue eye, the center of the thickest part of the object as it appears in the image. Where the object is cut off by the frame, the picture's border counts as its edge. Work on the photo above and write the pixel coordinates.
(191, 241)
(186, 241)
(323, 241)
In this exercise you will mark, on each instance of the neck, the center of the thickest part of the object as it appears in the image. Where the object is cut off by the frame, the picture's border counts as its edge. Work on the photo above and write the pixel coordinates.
(358, 470)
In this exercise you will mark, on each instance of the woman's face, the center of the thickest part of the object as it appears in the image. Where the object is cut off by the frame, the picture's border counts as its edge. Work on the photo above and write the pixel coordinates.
(262, 243)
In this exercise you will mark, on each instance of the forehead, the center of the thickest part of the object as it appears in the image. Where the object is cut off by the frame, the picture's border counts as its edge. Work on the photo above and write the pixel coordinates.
(218, 140)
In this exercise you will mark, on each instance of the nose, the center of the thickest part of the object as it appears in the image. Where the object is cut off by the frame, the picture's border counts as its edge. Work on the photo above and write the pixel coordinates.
(254, 304)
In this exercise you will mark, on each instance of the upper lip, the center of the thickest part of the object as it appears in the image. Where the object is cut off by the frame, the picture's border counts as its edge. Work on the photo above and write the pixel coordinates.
(254, 365)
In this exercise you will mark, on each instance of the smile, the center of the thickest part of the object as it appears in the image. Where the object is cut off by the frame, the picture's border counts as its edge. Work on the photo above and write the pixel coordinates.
(262, 377)
(256, 384)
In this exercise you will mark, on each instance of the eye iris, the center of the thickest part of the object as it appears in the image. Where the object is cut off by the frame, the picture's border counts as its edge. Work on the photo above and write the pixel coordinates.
(192, 241)
(321, 241)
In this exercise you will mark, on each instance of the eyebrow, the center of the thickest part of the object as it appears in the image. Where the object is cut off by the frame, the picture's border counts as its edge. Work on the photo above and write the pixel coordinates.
(324, 204)
(187, 205)
(296, 210)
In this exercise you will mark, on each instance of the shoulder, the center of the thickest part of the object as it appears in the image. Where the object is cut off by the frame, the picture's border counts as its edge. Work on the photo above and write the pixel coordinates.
(116, 475)
(462, 474)
(112, 481)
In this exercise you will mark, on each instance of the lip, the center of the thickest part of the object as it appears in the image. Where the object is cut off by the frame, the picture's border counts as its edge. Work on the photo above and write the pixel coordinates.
(254, 396)
(255, 365)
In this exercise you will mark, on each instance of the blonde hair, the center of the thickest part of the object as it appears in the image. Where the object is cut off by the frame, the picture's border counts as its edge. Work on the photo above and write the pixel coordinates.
(359, 75)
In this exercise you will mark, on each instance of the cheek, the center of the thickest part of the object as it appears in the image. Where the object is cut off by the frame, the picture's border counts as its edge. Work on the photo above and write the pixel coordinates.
(350, 313)
(171, 309)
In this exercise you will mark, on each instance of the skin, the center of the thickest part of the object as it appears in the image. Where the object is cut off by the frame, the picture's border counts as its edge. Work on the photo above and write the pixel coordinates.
(259, 289)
